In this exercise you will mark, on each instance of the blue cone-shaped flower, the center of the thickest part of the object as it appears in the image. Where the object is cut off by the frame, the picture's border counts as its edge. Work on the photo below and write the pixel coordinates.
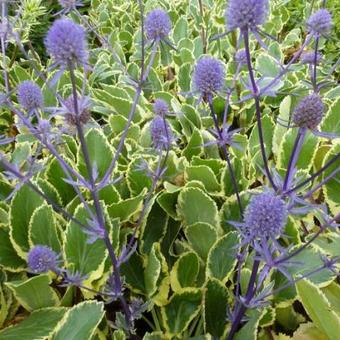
(161, 133)
(66, 43)
(160, 107)
(30, 96)
(320, 22)
(41, 259)
(308, 57)
(265, 216)
(157, 24)
(208, 76)
(246, 13)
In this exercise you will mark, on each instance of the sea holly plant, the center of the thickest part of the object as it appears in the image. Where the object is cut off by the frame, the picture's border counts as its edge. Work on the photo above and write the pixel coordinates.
(169, 172)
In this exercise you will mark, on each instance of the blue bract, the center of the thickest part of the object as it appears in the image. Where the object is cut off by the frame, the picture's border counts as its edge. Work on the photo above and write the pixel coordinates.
(157, 24)
(208, 76)
(309, 57)
(320, 22)
(66, 43)
(309, 112)
(29, 95)
(265, 216)
(41, 259)
(246, 13)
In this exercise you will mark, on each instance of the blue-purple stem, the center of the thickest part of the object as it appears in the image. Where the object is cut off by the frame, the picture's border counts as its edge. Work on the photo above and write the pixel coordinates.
(256, 96)
(294, 158)
(226, 155)
(96, 202)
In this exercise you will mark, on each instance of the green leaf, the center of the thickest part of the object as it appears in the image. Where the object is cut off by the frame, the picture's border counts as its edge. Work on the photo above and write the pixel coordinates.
(185, 271)
(168, 201)
(319, 309)
(133, 271)
(201, 237)
(249, 330)
(100, 153)
(181, 310)
(222, 257)
(23, 204)
(43, 228)
(80, 322)
(331, 122)
(196, 206)
(35, 292)
(80, 255)
(9, 258)
(136, 178)
(205, 175)
(125, 209)
(180, 29)
(331, 188)
(306, 155)
(332, 293)
(215, 303)
(194, 146)
(37, 325)
(267, 65)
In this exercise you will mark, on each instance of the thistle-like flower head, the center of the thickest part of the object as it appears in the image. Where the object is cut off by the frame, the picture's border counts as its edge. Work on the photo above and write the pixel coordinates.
(320, 22)
(41, 259)
(66, 43)
(265, 216)
(309, 112)
(161, 133)
(241, 56)
(208, 76)
(67, 109)
(157, 24)
(307, 57)
(160, 107)
(30, 96)
(246, 13)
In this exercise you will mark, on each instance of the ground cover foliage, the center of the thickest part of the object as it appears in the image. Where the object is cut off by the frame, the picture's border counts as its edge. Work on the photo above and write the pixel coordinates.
(169, 169)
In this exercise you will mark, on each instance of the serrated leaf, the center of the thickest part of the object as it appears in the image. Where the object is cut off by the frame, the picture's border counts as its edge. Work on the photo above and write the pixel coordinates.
(194, 146)
(196, 206)
(34, 293)
(222, 257)
(319, 309)
(249, 330)
(80, 322)
(331, 122)
(205, 175)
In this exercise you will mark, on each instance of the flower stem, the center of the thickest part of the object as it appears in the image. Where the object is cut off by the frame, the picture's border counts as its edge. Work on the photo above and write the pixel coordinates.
(255, 91)
(294, 158)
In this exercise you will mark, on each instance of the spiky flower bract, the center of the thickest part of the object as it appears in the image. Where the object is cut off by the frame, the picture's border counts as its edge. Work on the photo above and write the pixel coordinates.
(66, 43)
(308, 57)
(241, 57)
(157, 24)
(161, 134)
(208, 76)
(68, 111)
(309, 112)
(265, 216)
(320, 22)
(41, 259)
(160, 107)
(30, 96)
(246, 13)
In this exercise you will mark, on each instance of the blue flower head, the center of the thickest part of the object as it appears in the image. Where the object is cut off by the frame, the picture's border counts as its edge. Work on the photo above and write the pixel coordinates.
(307, 57)
(265, 216)
(320, 23)
(157, 24)
(66, 43)
(246, 13)
(160, 107)
(161, 133)
(241, 57)
(69, 5)
(41, 259)
(30, 96)
(208, 76)
(309, 112)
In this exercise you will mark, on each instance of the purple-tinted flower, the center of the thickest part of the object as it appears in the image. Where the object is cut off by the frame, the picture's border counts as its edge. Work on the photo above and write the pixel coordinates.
(30, 96)
(308, 57)
(69, 5)
(320, 22)
(41, 259)
(66, 43)
(157, 24)
(241, 57)
(246, 13)
(208, 76)
(160, 107)
(161, 133)
(309, 112)
(265, 216)
(68, 111)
